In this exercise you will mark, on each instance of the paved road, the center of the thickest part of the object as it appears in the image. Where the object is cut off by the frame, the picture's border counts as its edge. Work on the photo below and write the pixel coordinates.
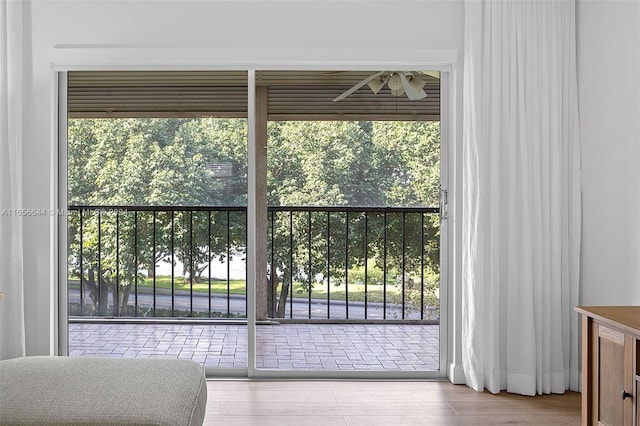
(236, 305)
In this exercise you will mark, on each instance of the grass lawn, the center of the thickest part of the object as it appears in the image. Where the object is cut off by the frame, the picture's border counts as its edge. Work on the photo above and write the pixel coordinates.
(319, 290)
(217, 286)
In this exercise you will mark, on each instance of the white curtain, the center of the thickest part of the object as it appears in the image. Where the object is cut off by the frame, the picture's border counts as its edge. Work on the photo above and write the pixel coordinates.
(12, 321)
(521, 197)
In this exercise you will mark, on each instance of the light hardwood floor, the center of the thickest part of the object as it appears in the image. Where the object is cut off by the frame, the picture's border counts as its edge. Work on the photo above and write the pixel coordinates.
(378, 403)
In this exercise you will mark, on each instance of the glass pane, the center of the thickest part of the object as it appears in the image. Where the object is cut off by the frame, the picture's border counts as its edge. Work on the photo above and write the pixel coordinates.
(157, 231)
(353, 246)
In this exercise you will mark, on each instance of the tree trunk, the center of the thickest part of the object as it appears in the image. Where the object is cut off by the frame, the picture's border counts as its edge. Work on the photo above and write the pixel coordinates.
(93, 289)
(105, 284)
(98, 291)
(282, 301)
(123, 296)
(115, 294)
(104, 295)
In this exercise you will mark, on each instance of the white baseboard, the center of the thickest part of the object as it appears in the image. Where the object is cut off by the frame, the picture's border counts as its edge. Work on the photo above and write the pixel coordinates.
(456, 374)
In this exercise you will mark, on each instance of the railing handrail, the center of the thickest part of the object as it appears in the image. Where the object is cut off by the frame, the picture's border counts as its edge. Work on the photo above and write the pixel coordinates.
(126, 208)
(369, 209)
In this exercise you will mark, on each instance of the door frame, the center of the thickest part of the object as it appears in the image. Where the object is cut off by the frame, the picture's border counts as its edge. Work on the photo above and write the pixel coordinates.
(66, 59)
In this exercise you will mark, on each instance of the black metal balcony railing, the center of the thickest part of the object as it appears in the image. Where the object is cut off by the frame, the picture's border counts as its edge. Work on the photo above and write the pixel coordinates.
(331, 263)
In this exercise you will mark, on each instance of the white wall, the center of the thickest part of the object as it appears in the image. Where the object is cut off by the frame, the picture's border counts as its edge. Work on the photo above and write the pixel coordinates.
(287, 25)
(609, 90)
(609, 95)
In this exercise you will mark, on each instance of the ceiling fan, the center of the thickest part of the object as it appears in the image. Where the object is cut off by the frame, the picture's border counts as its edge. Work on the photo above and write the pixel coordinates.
(399, 82)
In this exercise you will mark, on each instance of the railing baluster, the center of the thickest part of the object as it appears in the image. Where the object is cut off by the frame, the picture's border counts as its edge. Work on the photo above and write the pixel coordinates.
(246, 276)
(273, 286)
(310, 266)
(100, 307)
(209, 257)
(228, 264)
(421, 266)
(404, 245)
(328, 265)
(366, 258)
(135, 262)
(384, 266)
(291, 264)
(81, 264)
(191, 262)
(116, 294)
(346, 266)
(153, 259)
(173, 263)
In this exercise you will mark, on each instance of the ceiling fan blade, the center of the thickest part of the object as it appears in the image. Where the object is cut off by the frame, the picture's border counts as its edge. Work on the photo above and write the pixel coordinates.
(376, 84)
(357, 86)
(434, 74)
(414, 93)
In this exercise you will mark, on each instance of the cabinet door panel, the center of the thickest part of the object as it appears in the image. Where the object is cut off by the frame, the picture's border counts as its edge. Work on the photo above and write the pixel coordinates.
(610, 377)
(637, 417)
(635, 363)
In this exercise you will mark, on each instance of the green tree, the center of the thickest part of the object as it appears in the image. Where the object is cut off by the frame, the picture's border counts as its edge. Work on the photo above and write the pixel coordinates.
(358, 164)
(203, 162)
(151, 162)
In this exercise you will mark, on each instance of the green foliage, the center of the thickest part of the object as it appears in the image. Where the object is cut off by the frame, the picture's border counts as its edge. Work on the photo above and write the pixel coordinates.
(354, 163)
(157, 162)
(203, 162)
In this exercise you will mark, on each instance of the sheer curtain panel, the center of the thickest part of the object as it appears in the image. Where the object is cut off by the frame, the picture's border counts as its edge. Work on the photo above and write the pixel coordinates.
(521, 191)
(12, 329)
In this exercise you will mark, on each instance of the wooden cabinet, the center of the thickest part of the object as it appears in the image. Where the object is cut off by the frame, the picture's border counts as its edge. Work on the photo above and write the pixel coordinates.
(610, 365)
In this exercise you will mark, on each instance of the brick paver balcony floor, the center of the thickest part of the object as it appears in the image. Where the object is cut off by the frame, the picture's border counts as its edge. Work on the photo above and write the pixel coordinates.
(284, 346)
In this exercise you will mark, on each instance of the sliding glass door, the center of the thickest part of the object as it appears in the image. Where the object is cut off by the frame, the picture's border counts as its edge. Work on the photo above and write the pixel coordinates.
(353, 224)
(157, 200)
(262, 223)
